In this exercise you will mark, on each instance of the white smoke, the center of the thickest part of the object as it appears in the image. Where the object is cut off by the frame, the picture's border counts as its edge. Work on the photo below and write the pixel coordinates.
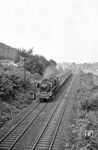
(50, 71)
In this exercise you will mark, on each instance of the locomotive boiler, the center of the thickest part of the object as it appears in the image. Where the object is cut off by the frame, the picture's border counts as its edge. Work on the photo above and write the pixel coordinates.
(48, 87)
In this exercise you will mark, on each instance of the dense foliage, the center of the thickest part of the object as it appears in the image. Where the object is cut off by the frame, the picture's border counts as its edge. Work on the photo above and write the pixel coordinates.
(33, 63)
(12, 81)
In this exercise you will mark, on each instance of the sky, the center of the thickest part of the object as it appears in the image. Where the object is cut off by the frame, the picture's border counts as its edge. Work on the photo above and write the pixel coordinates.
(63, 30)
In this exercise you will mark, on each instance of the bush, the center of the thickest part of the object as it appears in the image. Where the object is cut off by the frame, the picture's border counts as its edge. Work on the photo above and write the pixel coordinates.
(12, 81)
(85, 106)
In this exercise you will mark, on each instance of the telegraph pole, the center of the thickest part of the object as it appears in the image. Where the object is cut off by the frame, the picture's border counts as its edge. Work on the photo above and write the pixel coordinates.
(22, 59)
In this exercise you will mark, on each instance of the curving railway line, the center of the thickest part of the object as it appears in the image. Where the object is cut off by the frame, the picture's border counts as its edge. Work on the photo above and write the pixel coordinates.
(46, 137)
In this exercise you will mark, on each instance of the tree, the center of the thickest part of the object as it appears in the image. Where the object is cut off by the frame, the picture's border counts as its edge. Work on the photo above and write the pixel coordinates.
(33, 63)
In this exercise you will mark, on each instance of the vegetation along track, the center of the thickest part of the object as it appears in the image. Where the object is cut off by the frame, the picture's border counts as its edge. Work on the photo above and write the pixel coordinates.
(46, 138)
(9, 140)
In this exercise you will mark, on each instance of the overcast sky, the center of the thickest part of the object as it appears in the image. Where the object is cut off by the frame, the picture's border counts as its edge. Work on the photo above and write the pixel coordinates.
(63, 30)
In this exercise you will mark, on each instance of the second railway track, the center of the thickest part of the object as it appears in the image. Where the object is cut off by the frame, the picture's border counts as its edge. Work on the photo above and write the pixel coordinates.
(10, 139)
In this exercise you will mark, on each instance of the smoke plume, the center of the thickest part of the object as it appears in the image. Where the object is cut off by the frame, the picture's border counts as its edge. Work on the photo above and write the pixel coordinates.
(50, 71)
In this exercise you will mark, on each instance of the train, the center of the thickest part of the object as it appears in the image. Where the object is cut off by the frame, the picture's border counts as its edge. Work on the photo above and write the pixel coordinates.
(48, 87)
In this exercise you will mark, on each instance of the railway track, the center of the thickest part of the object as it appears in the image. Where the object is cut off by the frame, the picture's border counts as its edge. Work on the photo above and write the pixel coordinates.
(14, 134)
(61, 138)
(12, 137)
(48, 134)
(18, 118)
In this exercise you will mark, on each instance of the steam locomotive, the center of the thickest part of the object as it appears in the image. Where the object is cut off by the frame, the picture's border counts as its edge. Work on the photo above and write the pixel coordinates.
(48, 87)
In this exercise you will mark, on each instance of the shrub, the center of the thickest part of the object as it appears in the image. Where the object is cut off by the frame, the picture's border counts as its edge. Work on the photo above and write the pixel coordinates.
(12, 81)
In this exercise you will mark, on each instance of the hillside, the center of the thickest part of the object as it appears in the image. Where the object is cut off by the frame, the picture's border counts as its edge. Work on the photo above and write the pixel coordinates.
(7, 52)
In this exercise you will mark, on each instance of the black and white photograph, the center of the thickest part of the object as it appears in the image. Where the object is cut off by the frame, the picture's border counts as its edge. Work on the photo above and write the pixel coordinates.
(48, 74)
